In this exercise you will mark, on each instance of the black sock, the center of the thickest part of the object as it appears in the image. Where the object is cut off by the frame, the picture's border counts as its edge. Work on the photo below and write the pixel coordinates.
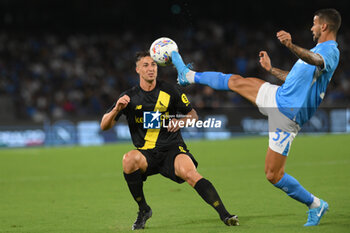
(135, 184)
(207, 191)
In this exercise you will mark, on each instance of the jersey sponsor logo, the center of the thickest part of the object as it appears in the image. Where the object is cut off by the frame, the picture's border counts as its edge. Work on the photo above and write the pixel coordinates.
(151, 120)
(138, 120)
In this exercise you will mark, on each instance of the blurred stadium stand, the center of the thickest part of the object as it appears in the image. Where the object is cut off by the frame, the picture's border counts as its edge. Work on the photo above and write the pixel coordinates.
(71, 59)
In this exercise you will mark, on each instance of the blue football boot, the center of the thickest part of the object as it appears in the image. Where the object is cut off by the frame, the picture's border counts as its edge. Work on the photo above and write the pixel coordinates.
(316, 214)
(181, 68)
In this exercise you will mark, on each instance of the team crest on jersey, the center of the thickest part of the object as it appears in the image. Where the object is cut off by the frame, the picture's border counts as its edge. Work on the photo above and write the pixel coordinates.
(185, 100)
(138, 107)
(151, 120)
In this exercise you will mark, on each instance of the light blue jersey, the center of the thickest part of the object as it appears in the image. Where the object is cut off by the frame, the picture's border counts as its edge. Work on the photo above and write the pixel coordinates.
(305, 85)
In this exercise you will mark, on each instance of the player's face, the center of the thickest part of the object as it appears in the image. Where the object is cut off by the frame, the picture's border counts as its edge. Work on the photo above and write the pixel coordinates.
(147, 69)
(316, 28)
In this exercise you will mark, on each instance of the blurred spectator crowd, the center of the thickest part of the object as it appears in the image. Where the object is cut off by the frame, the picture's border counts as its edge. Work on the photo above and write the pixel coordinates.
(77, 75)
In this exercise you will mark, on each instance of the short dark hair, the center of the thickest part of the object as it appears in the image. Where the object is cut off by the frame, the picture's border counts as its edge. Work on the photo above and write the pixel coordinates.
(141, 54)
(331, 17)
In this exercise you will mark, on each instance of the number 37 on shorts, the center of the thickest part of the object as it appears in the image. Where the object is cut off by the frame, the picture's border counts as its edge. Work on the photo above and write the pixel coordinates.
(280, 141)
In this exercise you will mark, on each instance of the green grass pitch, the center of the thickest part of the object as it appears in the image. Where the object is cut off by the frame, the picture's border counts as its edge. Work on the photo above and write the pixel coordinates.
(82, 189)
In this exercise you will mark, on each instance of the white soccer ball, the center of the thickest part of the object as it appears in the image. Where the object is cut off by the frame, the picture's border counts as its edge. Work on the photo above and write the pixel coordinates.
(161, 50)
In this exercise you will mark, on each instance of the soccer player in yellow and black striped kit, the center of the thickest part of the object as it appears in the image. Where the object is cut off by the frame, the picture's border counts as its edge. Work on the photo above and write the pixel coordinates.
(159, 150)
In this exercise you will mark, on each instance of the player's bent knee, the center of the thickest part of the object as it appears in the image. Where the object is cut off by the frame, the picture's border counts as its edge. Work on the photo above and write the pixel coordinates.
(191, 177)
(131, 161)
(127, 162)
(128, 158)
(269, 176)
(235, 81)
(240, 85)
(272, 176)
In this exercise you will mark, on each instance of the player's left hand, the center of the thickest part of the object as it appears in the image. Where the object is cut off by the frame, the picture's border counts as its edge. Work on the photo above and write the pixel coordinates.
(265, 60)
(174, 125)
(284, 37)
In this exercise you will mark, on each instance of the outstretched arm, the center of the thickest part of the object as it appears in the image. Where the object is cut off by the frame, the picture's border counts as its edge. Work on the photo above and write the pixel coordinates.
(107, 121)
(265, 62)
(306, 55)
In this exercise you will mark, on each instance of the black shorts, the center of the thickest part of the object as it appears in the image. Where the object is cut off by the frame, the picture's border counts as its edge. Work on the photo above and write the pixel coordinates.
(162, 161)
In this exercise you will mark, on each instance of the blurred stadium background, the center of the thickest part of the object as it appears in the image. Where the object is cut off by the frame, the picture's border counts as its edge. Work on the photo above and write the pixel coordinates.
(63, 63)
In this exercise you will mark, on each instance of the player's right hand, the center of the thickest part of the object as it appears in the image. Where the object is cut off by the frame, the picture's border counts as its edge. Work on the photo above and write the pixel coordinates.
(265, 60)
(122, 102)
(285, 38)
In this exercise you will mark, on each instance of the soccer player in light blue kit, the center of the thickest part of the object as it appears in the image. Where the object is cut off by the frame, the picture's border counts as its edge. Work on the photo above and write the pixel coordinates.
(288, 106)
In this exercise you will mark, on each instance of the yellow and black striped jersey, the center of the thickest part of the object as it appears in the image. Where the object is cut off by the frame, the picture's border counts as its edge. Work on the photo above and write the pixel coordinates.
(165, 98)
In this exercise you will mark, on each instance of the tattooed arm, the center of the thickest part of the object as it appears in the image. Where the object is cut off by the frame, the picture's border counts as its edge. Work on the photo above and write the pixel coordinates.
(265, 62)
(304, 54)
(278, 73)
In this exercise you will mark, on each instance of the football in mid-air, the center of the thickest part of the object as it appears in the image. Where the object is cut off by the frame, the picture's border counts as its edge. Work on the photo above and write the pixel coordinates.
(161, 50)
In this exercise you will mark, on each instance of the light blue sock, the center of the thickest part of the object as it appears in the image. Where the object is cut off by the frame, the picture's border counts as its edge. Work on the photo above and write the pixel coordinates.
(294, 189)
(215, 80)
